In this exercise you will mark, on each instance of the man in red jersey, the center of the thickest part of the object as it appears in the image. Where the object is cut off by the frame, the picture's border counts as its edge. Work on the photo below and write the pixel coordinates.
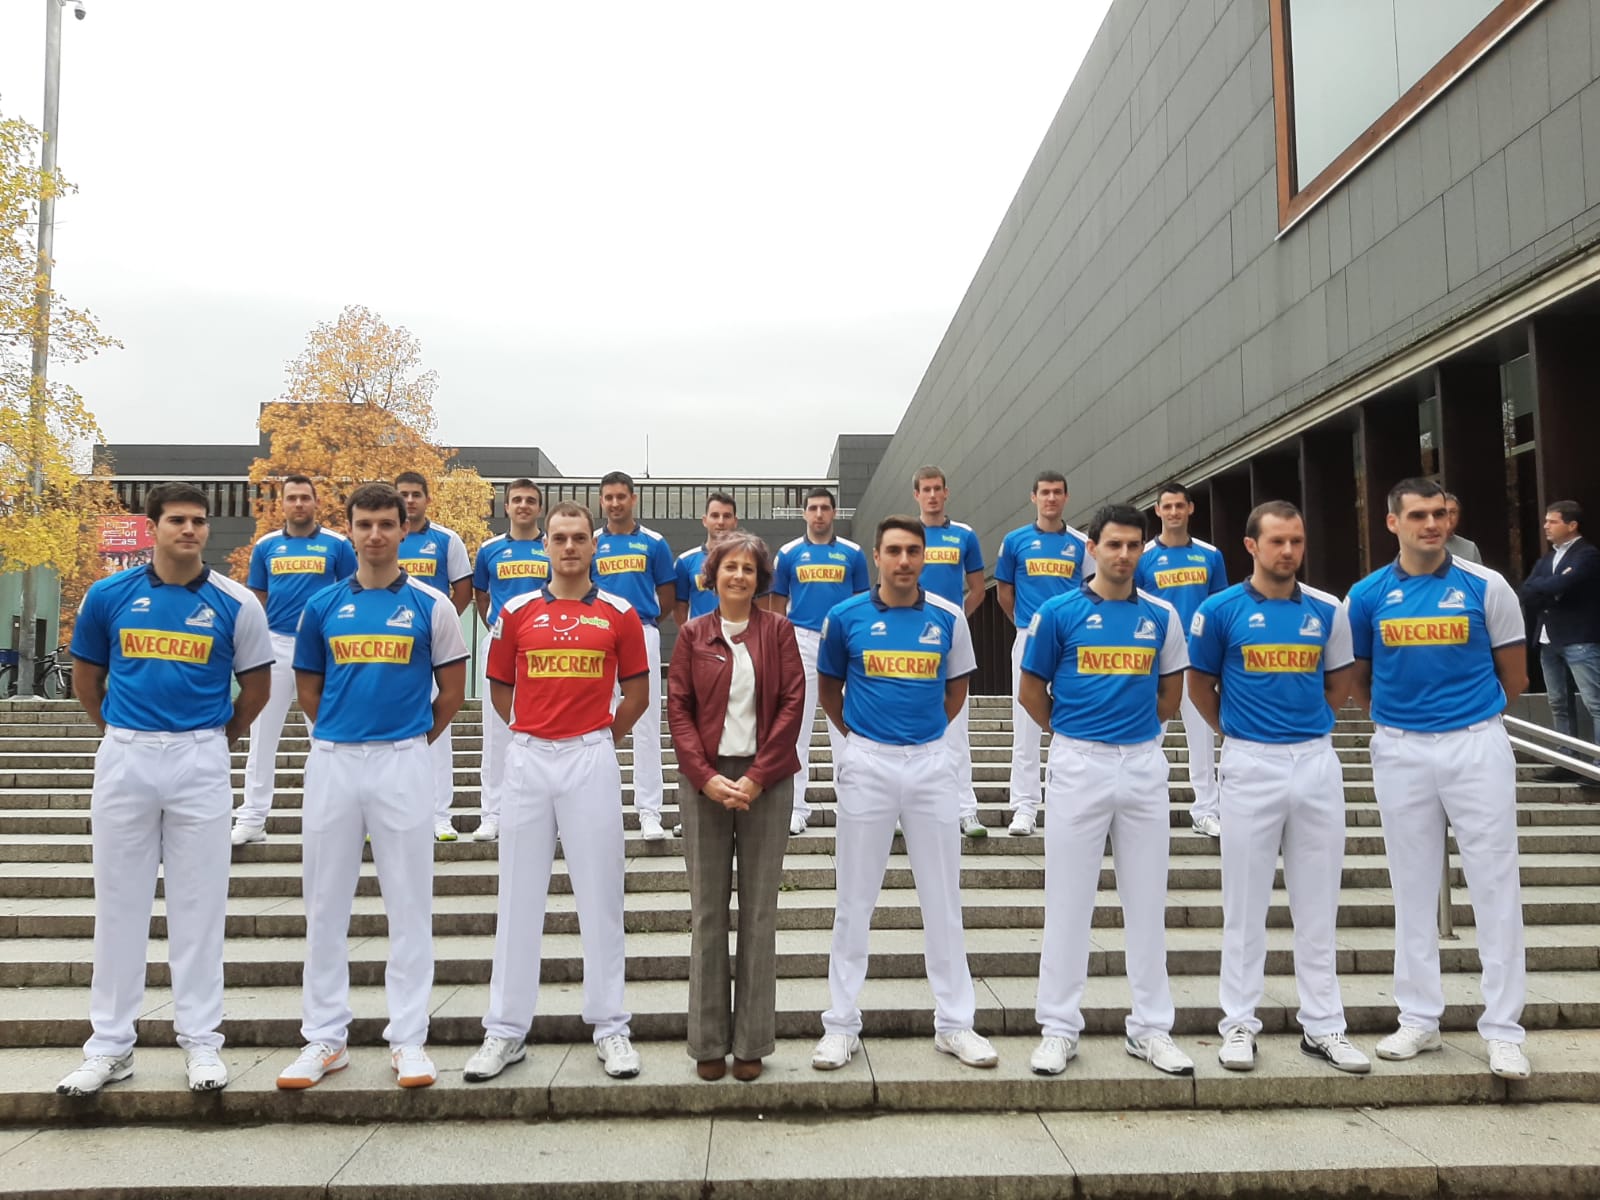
(556, 655)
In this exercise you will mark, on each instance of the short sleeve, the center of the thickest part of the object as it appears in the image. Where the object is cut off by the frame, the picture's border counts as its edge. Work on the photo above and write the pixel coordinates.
(480, 569)
(972, 554)
(501, 664)
(858, 574)
(685, 580)
(633, 659)
(832, 655)
(1040, 655)
(91, 638)
(1005, 567)
(455, 560)
(252, 643)
(780, 575)
(1207, 646)
(257, 578)
(664, 568)
(1502, 613)
(1338, 653)
(447, 642)
(310, 651)
(1174, 655)
(344, 560)
(1219, 572)
(963, 661)
(1355, 612)
(1143, 577)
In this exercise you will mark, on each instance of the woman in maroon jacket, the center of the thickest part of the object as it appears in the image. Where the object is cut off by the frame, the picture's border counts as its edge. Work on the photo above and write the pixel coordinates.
(734, 694)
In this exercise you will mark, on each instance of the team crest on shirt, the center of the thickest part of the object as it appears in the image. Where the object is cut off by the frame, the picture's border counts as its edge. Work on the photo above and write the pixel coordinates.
(1258, 621)
(401, 618)
(1146, 630)
(1453, 598)
(879, 629)
(142, 604)
(202, 617)
(1311, 626)
(345, 610)
(1395, 597)
(1093, 621)
(931, 635)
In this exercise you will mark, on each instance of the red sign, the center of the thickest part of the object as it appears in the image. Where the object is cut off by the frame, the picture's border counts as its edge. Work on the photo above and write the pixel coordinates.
(124, 535)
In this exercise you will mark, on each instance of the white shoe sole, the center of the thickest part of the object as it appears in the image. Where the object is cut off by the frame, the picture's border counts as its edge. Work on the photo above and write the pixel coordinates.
(481, 1076)
(1392, 1056)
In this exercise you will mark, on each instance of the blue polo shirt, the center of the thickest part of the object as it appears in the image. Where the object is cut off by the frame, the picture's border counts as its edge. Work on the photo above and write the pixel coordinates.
(376, 650)
(633, 565)
(815, 576)
(507, 567)
(1271, 656)
(894, 663)
(687, 568)
(1039, 564)
(290, 570)
(952, 551)
(435, 556)
(1103, 660)
(1183, 576)
(1431, 640)
(169, 649)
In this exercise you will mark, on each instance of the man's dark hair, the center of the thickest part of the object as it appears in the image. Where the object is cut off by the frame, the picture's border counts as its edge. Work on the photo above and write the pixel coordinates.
(928, 472)
(1568, 510)
(611, 477)
(164, 494)
(722, 498)
(523, 485)
(1424, 489)
(1048, 477)
(376, 497)
(569, 508)
(822, 493)
(738, 542)
(305, 479)
(1281, 509)
(413, 477)
(1115, 514)
(908, 524)
(1173, 487)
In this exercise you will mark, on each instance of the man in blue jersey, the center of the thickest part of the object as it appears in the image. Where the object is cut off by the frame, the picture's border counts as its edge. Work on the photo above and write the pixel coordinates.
(286, 568)
(154, 651)
(636, 563)
(436, 556)
(893, 670)
(694, 599)
(370, 652)
(1183, 571)
(1103, 670)
(952, 570)
(1044, 558)
(1439, 654)
(507, 565)
(813, 573)
(1269, 666)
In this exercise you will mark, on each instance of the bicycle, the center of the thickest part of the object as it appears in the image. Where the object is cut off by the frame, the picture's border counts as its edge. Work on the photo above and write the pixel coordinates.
(52, 674)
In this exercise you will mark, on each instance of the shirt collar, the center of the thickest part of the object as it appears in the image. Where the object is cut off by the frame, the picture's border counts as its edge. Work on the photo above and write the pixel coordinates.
(400, 582)
(316, 531)
(1038, 528)
(831, 541)
(426, 526)
(1441, 573)
(194, 585)
(588, 597)
(1251, 591)
(1569, 543)
(538, 537)
(877, 600)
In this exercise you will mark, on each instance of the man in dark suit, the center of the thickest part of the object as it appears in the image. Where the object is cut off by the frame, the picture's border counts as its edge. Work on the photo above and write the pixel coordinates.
(1562, 593)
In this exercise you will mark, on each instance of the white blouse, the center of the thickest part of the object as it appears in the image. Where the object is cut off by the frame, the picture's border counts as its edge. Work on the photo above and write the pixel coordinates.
(739, 726)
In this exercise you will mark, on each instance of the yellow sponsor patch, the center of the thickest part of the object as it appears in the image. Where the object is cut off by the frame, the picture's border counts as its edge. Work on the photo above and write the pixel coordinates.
(1115, 660)
(1065, 568)
(943, 556)
(370, 648)
(420, 566)
(820, 573)
(533, 568)
(1282, 659)
(566, 664)
(620, 564)
(1182, 577)
(171, 647)
(901, 664)
(1424, 631)
(298, 566)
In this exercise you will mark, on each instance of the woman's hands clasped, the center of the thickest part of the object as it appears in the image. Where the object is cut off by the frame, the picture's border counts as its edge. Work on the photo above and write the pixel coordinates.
(731, 795)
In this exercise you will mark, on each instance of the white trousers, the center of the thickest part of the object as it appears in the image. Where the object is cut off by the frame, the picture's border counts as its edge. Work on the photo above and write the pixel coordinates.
(1288, 797)
(353, 790)
(810, 640)
(647, 734)
(496, 745)
(1202, 740)
(1096, 790)
(441, 767)
(573, 787)
(260, 766)
(958, 747)
(877, 786)
(159, 800)
(1026, 790)
(1468, 778)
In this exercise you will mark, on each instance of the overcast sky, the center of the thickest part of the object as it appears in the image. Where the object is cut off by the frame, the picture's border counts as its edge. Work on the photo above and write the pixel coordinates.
(738, 228)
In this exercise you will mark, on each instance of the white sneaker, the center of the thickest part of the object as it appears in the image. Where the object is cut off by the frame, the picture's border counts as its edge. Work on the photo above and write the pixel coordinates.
(1407, 1042)
(244, 835)
(1053, 1055)
(1160, 1052)
(443, 831)
(315, 1061)
(968, 1045)
(834, 1051)
(412, 1066)
(1507, 1060)
(1336, 1050)
(617, 1052)
(206, 1072)
(650, 827)
(1238, 1049)
(973, 828)
(488, 830)
(96, 1071)
(1021, 824)
(494, 1056)
(1207, 825)
(797, 825)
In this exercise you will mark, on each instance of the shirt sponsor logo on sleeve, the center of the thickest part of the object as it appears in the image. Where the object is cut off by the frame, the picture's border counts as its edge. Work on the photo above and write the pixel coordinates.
(355, 648)
(1424, 631)
(169, 647)
(532, 568)
(1064, 568)
(907, 664)
(566, 664)
(942, 556)
(1182, 577)
(621, 564)
(1198, 625)
(819, 573)
(1115, 660)
(1282, 660)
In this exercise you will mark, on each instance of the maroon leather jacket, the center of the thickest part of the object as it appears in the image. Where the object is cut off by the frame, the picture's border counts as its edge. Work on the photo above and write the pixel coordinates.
(697, 695)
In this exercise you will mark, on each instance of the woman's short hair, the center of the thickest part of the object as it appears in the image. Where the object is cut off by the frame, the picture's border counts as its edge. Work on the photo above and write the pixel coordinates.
(738, 542)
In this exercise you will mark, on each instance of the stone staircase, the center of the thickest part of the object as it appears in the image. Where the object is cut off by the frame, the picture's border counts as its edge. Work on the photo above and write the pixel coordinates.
(901, 1120)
